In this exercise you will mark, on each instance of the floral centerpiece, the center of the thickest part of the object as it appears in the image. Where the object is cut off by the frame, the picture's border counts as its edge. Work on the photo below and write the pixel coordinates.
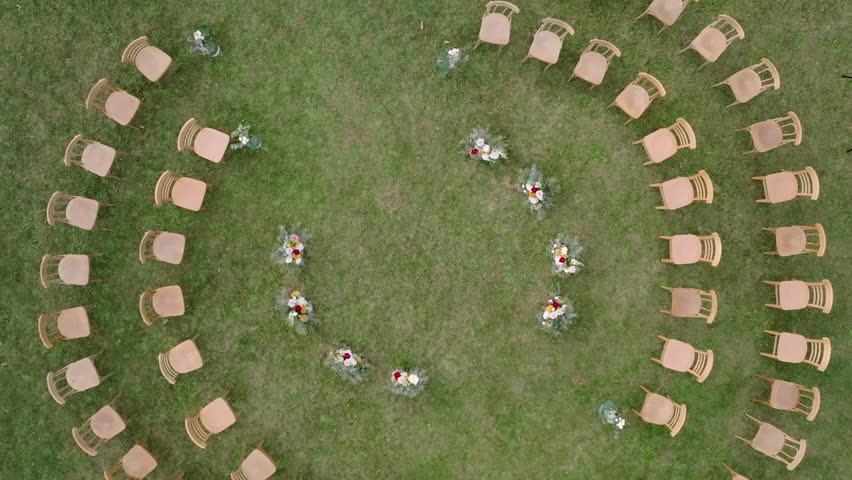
(449, 60)
(566, 253)
(608, 412)
(202, 43)
(558, 315)
(538, 189)
(291, 250)
(483, 145)
(300, 312)
(408, 383)
(347, 364)
(244, 139)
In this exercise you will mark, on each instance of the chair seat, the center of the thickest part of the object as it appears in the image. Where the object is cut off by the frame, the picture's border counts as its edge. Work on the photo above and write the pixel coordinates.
(168, 301)
(97, 158)
(185, 357)
(107, 423)
(686, 302)
(82, 212)
(790, 241)
(592, 67)
(121, 107)
(138, 462)
(257, 466)
(677, 355)
(74, 269)
(660, 145)
(495, 29)
(710, 44)
(769, 440)
(168, 247)
(546, 46)
(784, 395)
(189, 193)
(152, 62)
(781, 187)
(793, 295)
(677, 193)
(633, 100)
(792, 348)
(666, 11)
(745, 84)
(82, 375)
(685, 249)
(766, 135)
(217, 416)
(657, 409)
(73, 323)
(211, 144)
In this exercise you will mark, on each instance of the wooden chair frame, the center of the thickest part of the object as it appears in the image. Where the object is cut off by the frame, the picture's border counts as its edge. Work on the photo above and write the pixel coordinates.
(129, 54)
(733, 472)
(57, 205)
(702, 365)
(815, 239)
(163, 189)
(503, 8)
(166, 369)
(683, 133)
(146, 308)
(61, 393)
(146, 245)
(49, 270)
(48, 329)
(818, 351)
(791, 459)
(74, 152)
(196, 430)
(647, 11)
(709, 305)
(678, 417)
(116, 472)
(711, 249)
(98, 95)
(702, 189)
(238, 473)
(647, 82)
(766, 71)
(187, 134)
(811, 396)
(820, 295)
(791, 129)
(730, 28)
(604, 48)
(807, 181)
(559, 27)
(85, 437)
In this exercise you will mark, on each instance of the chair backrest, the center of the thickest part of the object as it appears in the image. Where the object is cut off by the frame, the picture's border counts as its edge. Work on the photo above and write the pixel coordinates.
(820, 295)
(560, 28)
(791, 128)
(769, 77)
(98, 95)
(501, 7)
(819, 353)
(702, 187)
(132, 50)
(603, 47)
(146, 307)
(709, 305)
(729, 27)
(56, 207)
(678, 418)
(711, 249)
(702, 365)
(146, 246)
(807, 183)
(163, 189)
(74, 150)
(48, 327)
(187, 134)
(650, 84)
(684, 134)
(49, 270)
(815, 241)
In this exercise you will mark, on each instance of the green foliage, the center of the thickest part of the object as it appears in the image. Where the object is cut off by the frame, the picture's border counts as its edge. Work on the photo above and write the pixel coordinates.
(408, 383)
(292, 247)
(202, 42)
(449, 60)
(539, 190)
(608, 411)
(565, 252)
(558, 315)
(299, 312)
(348, 364)
(481, 144)
(244, 138)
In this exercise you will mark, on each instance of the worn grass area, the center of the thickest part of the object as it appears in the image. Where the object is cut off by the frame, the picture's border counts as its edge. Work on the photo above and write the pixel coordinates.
(419, 257)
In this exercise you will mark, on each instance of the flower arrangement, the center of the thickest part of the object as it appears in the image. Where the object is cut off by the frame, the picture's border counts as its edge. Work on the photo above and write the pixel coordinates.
(449, 60)
(558, 315)
(292, 247)
(202, 43)
(347, 364)
(300, 312)
(406, 383)
(608, 412)
(244, 139)
(539, 190)
(566, 253)
(481, 144)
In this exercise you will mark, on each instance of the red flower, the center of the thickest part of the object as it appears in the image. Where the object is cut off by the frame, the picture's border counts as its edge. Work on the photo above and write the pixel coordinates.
(396, 374)
(346, 356)
(534, 189)
(473, 151)
(298, 308)
(555, 304)
(296, 252)
(561, 259)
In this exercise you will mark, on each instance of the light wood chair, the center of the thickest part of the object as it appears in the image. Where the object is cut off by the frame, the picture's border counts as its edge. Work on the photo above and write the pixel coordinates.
(182, 358)
(681, 191)
(167, 247)
(80, 212)
(64, 325)
(693, 303)
(69, 269)
(683, 357)
(796, 240)
(734, 474)
(496, 25)
(92, 156)
(74, 378)
(207, 143)
(771, 134)
(783, 186)
(792, 397)
(151, 62)
(774, 443)
(687, 249)
(163, 302)
(114, 102)
(666, 11)
(137, 463)
(638, 95)
(715, 38)
(660, 410)
(210, 420)
(796, 295)
(594, 61)
(547, 41)
(184, 192)
(794, 348)
(256, 466)
(663, 143)
(750, 82)
(105, 424)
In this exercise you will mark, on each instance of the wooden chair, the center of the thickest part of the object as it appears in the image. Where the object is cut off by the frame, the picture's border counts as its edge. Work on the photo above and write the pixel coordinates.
(661, 410)
(663, 143)
(167, 247)
(80, 212)
(783, 186)
(547, 41)
(90, 155)
(594, 61)
(771, 134)
(681, 191)
(774, 443)
(114, 102)
(715, 38)
(794, 348)
(687, 249)
(693, 303)
(182, 358)
(151, 62)
(750, 82)
(666, 11)
(207, 143)
(77, 377)
(105, 424)
(184, 192)
(792, 397)
(796, 295)
(496, 25)
(210, 420)
(67, 324)
(256, 466)
(683, 357)
(163, 302)
(798, 239)
(638, 95)
(137, 463)
(69, 269)
(734, 474)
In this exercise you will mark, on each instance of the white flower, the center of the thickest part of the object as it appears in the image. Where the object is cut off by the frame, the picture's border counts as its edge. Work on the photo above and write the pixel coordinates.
(574, 261)
(534, 200)
(244, 139)
(288, 260)
(563, 251)
(495, 154)
(559, 311)
(454, 52)
(291, 303)
(539, 194)
(537, 184)
(198, 35)
(527, 187)
(480, 142)
(288, 251)
(484, 156)
(350, 362)
(298, 261)
(292, 314)
(486, 148)
(571, 269)
(620, 423)
(299, 246)
(413, 379)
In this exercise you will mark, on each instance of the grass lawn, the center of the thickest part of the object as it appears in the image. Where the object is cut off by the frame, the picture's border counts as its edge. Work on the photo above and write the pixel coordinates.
(419, 257)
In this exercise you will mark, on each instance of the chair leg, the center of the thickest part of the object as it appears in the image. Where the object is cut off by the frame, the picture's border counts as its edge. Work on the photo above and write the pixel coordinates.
(731, 105)
(723, 82)
(548, 66)
(649, 162)
(525, 59)
(661, 30)
(629, 119)
(685, 48)
(703, 65)
(477, 44)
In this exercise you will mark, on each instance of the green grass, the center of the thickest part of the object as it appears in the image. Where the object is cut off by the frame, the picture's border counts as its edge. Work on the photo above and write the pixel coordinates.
(419, 257)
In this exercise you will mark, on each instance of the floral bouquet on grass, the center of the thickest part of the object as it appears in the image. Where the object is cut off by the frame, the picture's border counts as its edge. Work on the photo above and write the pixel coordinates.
(292, 247)
(558, 315)
(539, 190)
(449, 60)
(202, 43)
(566, 253)
(347, 364)
(406, 383)
(608, 412)
(244, 139)
(481, 144)
(300, 312)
